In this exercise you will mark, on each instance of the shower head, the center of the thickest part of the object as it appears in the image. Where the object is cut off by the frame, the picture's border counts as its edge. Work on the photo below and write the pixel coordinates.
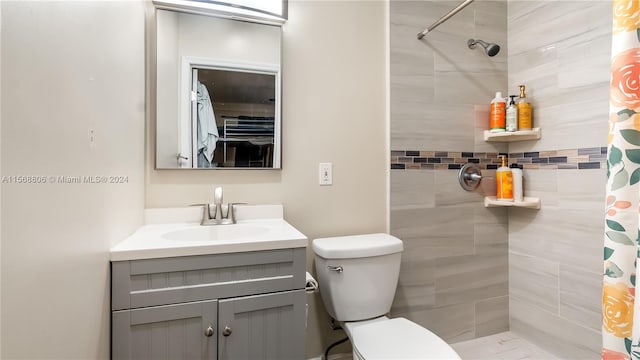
(490, 48)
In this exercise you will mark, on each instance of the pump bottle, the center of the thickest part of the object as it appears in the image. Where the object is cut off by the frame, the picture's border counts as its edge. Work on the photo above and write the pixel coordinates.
(524, 111)
(512, 115)
(504, 181)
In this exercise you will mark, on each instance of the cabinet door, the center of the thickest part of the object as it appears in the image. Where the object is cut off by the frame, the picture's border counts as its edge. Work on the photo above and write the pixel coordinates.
(268, 327)
(180, 331)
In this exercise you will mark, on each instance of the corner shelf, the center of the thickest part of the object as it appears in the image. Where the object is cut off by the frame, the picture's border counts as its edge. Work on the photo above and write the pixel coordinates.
(528, 202)
(507, 136)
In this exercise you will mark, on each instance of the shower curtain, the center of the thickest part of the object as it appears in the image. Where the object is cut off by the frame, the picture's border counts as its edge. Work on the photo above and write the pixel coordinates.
(620, 310)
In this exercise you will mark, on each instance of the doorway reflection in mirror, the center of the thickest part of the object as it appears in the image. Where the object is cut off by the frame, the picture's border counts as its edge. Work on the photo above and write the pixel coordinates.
(234, 117)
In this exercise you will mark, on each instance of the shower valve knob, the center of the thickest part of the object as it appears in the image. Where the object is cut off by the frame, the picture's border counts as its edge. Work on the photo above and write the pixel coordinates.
(469, 177)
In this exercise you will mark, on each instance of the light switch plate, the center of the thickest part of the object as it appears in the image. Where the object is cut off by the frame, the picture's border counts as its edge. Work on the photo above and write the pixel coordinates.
(326, 174)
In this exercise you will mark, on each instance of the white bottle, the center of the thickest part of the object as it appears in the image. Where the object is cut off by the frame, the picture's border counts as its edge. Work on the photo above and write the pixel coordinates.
(497, 113)
(512, 115)
(516, 173)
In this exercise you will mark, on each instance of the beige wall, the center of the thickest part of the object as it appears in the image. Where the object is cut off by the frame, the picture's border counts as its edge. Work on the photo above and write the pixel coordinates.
(82, 63)
(0, 186)
(333, 74)
(67, 67)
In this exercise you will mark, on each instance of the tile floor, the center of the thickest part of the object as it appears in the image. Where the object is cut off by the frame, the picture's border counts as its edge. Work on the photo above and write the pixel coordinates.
(502, 346)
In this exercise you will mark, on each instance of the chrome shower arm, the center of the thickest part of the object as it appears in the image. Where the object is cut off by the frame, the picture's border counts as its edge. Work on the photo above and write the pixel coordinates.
(444, 18)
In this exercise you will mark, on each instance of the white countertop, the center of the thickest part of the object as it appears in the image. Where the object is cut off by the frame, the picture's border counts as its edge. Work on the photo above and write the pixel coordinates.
(153, 240)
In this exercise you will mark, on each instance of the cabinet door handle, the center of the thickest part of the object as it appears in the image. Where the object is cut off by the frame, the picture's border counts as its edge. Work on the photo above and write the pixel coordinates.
(208, 332)
(227, 331)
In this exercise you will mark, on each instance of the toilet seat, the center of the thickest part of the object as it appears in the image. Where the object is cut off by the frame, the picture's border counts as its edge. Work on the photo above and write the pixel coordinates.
(396, 338)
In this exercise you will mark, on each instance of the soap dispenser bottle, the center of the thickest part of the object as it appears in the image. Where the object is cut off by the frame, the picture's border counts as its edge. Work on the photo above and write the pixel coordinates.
(524, 111)
(497, 113)
(504, 181)
(512, 115)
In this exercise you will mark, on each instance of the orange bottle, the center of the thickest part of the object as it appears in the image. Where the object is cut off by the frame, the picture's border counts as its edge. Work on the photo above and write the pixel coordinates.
(524, 111)
(504, 181)
(497, 113)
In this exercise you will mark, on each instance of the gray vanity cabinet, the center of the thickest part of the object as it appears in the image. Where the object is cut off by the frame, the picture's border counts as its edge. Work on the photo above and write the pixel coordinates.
(223, 306)
(265, 322)
(166, 332)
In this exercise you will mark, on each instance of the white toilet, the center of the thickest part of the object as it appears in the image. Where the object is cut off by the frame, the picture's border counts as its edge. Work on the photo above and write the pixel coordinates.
(358, 277)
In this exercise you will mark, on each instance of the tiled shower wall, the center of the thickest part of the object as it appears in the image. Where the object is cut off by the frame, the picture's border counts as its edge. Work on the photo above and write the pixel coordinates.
(470, 271)
(561, 50)
(454, 276)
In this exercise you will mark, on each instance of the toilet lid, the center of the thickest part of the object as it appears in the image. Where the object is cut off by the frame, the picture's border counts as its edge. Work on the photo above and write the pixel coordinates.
(399, 338)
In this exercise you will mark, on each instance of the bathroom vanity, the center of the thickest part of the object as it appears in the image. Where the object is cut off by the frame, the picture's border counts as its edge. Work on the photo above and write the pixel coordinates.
(218, 293)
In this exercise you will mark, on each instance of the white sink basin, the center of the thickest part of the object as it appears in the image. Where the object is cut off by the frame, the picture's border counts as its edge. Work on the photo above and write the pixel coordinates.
(232, 232)
(176, 232)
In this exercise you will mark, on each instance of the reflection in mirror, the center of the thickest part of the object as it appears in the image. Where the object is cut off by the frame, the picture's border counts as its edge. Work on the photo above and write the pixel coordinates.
(217, 93)
(234, 127)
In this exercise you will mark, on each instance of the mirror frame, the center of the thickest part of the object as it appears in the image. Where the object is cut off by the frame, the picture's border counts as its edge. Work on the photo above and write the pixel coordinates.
(225, 9)
(152, 54)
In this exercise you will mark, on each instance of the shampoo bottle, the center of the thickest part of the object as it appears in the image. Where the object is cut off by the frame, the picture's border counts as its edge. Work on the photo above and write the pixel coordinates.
(497, 113)
(516, 172)
(504, 181)
(524, 111)
(512, 115)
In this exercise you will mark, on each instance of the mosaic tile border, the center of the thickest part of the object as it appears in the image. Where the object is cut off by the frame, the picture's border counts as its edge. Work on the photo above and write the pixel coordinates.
(576, 159)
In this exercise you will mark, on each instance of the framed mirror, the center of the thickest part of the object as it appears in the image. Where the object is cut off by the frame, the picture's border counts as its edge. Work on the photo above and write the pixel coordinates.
(217, 93)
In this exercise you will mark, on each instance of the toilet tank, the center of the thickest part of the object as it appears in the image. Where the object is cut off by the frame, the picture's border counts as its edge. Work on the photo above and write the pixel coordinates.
(358, 274)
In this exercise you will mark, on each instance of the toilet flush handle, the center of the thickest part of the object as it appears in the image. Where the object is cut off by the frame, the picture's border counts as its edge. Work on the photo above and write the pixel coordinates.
(338, 268)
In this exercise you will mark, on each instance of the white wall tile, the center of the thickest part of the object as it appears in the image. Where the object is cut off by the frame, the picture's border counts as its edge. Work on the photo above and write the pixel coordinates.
(461, 279)
(422, 126)
(542, 184)
(584, 60)
(534, 281)
(412, 189)
(492, 316)
(571, 237)
(453, 323)
(582, 189)
(581, 296)
(435, 232)
(554, 334)
(449, 193)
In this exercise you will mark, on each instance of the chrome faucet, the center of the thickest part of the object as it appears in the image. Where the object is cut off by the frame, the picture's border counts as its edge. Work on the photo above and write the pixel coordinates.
(217, 201)
(222, 214)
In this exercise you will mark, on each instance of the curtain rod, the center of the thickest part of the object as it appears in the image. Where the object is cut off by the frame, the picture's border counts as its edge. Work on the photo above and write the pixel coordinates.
(444, 18)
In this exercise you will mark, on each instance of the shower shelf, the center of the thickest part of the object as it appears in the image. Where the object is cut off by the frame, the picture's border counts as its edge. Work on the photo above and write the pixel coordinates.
(521, 135)
(528, 202)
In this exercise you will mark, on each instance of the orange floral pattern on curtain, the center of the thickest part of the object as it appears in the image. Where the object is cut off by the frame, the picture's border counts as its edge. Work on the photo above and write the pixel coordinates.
(620, 328)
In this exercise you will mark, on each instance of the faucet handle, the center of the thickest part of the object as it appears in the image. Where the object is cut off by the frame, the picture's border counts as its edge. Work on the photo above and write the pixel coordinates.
(206, 211)
(231, 210)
